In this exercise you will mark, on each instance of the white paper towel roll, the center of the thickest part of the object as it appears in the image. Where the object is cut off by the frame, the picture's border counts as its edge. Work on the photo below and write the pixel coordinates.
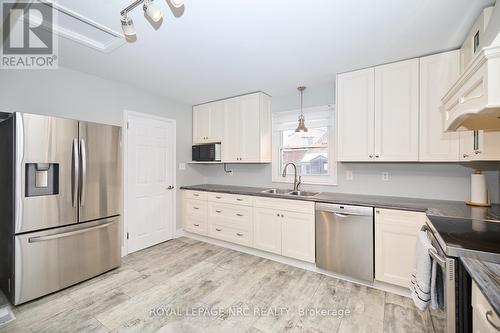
(478, 190)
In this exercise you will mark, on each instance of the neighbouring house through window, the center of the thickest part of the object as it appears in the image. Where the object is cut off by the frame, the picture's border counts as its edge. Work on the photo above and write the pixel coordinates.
(312, 151)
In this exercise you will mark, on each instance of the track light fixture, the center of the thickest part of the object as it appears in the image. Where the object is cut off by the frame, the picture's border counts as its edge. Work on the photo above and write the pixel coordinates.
(150, 10)
(128, 26)
(154, 13)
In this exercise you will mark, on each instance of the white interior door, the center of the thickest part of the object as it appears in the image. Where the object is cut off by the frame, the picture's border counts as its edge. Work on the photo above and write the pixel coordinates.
(151, 181)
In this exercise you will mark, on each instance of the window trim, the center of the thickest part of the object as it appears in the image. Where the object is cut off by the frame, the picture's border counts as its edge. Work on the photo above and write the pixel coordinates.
(331, 179)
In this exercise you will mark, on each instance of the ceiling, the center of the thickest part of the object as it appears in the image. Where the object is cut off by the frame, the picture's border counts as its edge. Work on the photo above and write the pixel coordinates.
(220, 48)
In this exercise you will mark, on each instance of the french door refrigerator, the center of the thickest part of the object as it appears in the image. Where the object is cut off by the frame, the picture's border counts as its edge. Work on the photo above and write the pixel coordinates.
(60, 203)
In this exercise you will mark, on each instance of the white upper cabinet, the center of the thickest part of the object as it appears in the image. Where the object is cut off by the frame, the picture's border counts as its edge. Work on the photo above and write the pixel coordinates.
(355, 107)
(247, 129)
(378, 113)
(479, 146)
(208, 121)
(437, 74)
(396, 111)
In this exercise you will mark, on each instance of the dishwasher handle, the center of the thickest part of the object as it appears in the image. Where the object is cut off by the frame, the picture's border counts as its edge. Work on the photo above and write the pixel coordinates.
(344, 210)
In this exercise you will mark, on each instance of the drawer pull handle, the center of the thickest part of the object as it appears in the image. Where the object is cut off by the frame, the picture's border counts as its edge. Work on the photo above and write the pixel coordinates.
(196, 195)
(218, 197)
(196, 225)
(239, 199)
(218, 211)
(239, 214)
(217, 229)
(196, 208)
(282, 215)
(488, 315)
(278, 214)
(239, 234)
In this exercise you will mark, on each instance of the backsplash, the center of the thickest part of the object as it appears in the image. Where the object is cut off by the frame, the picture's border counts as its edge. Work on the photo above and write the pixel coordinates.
(450, 181)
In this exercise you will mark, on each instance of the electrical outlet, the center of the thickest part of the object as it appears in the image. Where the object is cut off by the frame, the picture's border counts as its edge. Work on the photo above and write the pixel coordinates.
(182, 166)
(349, 175)
(385, 176)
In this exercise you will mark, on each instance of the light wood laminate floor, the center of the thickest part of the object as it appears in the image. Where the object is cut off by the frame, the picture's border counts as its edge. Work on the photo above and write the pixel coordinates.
(189, 286)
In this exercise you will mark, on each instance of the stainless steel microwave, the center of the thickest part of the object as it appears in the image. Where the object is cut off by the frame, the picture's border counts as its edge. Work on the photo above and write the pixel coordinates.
(206, 153)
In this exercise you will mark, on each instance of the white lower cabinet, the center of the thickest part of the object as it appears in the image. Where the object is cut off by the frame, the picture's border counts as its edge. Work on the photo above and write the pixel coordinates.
(396, 234)
(267, 230)
(298, 238)
(484, 318)
(280, 226)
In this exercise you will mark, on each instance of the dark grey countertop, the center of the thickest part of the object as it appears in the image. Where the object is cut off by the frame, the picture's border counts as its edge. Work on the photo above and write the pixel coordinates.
(487, 277)
(431, 207)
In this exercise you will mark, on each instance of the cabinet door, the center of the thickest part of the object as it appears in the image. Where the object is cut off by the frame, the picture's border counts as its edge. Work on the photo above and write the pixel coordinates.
(298, 236)
(231, 147)
(201, 123)
(437, 74)
(267, 230)
(249, 128)
(484, 147)
(216, 122)
(396, 111)
(355, 109)
(395, 239)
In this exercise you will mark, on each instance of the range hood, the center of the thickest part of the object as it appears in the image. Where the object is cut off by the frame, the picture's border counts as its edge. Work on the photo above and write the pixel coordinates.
(473, 102)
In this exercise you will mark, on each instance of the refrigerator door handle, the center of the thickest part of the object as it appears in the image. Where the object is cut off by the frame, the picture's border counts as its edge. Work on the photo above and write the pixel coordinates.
(67, 234)
(83, 176)
(75, 170)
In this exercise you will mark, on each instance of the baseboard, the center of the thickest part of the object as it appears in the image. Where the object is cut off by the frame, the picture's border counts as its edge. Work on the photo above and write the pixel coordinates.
(292, 262)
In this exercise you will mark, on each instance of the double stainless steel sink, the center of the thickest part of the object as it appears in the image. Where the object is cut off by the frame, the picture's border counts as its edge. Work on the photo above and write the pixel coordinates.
(284, 192)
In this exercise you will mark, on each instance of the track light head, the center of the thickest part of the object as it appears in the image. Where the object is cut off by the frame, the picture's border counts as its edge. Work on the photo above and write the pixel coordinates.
(128, 26)
(152, 11)
(177, 3)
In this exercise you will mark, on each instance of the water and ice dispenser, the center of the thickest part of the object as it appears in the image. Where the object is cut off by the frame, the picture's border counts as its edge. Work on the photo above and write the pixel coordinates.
(42, 179)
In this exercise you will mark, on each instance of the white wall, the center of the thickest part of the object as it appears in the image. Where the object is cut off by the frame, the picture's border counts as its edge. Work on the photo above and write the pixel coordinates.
(447, 181)
(71, 94)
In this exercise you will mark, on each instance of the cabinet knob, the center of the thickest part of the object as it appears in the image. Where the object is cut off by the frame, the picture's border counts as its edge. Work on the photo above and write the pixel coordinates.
(278, 215)
(196, 225)
(465, 155)
(218, 211)
(239, 234)
(240, 215)
(217, 229)
(282, 215)
(377, 211)
(477, 152)
(377, 156)
(371, 156)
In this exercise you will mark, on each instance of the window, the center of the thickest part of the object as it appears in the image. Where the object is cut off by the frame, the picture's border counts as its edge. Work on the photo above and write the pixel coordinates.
(310, 151)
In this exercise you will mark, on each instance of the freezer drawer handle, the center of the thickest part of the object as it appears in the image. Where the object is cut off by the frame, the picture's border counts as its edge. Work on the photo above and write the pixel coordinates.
(67, 234)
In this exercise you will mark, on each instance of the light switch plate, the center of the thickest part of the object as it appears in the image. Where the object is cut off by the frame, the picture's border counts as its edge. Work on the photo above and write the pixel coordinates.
(385, 176)
(349, 175)
(182, 166)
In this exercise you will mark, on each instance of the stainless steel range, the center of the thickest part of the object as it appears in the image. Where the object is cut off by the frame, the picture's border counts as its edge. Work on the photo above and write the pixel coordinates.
(60, 203)
(453, 238)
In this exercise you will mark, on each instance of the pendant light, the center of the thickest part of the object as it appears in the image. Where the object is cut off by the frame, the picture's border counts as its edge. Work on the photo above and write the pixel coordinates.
(302, 126)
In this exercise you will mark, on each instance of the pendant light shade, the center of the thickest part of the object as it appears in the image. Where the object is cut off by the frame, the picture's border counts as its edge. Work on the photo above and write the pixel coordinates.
(128, 26)
(152, 11)
(302, 126)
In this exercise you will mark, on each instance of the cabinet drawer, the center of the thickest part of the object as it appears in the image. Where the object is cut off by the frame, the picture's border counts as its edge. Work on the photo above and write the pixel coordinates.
(232, 234)
(232, 214)
(484, 317)
(285, 205)
(231, 198)
(196, 224)
(196, 208)
(400, 218)
(199, 195)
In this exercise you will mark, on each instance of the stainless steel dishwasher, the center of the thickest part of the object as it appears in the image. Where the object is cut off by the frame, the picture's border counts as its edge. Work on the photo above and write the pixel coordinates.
(344, 240)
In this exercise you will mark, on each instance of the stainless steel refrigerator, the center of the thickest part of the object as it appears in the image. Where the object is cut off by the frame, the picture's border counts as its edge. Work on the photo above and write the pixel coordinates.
(60, 203)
